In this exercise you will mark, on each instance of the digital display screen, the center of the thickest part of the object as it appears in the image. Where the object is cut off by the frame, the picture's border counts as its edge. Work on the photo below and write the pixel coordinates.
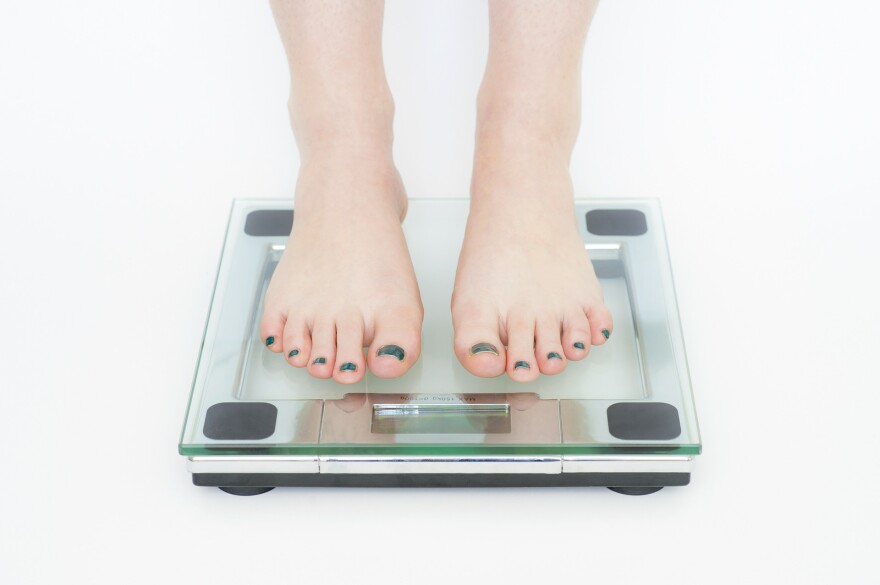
(440, 418)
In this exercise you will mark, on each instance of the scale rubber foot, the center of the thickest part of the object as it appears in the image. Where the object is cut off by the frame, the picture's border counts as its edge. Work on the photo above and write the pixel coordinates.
(635, 491)
(246, 491)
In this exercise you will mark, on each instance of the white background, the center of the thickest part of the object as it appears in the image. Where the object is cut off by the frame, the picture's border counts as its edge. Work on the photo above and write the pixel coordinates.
(126, 128)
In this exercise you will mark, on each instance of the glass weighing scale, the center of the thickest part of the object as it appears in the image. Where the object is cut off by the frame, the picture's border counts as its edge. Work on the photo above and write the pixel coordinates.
(623, 418)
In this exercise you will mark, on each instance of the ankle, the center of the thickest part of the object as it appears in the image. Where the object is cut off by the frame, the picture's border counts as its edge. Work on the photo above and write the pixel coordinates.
(519, 163)
(522, 156)
(361, 128)
(525, 121)
(333, 181)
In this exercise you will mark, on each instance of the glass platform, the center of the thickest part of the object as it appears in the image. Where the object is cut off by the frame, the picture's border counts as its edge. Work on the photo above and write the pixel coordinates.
(627, 406)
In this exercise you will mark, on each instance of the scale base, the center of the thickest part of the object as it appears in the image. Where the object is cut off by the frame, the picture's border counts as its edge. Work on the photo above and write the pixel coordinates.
(631, 484)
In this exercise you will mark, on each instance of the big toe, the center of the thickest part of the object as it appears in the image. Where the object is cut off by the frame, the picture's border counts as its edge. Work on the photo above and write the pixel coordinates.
(477, 343)
(395, 347)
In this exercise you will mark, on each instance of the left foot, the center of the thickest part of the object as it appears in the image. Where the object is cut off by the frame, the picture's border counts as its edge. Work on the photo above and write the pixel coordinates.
(526, 298)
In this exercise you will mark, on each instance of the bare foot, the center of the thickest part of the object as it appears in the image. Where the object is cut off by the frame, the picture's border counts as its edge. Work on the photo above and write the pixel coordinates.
(346, 280)
(526, 297)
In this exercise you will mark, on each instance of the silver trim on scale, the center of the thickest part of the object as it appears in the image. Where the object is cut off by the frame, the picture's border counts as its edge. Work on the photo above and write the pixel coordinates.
(440, 464)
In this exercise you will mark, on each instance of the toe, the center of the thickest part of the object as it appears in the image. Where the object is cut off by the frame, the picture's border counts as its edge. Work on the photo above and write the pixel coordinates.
(548, 346)
(521, 363)
(601, 325)
(396, 346)
(349, 367)
(576, 335)
(272, 330)
(297, 342)
(477, 343)
(323, 354)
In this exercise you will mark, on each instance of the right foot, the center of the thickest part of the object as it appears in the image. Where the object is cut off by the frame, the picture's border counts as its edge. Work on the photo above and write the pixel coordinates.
(345, 280)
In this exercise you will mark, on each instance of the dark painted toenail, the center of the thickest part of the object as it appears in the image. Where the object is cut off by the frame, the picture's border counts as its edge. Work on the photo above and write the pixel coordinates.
(293, 352)
(319, 361)
(348, 367)
(484, 348)
(522, 364)
(392, 350)
(553, 356)
(579, 345)
(606, 333)
(270, 340)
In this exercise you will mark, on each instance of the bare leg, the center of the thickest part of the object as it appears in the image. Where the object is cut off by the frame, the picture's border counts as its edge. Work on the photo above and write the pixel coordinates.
(526, 298)
(346, 280)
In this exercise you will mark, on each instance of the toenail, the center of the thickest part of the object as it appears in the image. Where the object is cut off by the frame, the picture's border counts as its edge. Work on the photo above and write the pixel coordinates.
(484, 348)
(522, 364)
(606, 333)
(293, 352)
(319, 361)
(270, 340)
(579, 345)
(392, 350)
(348, 367)
(553, 356)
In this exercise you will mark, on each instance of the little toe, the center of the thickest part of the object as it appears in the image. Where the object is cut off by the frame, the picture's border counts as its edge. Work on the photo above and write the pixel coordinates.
(601, 324)
(297, 343)
(272, 330)
(323, 354)
(395, 348)
(477, 344)
(349, 367)
(548, 346)
(521, 363)
(576, 336)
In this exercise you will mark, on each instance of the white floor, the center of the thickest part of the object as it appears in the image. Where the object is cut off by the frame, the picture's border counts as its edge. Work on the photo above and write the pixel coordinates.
(127, 128)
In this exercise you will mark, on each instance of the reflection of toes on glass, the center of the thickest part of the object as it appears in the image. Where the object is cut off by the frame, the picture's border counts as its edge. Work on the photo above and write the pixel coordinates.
(484, 348)
(522, 400)
(350, 402)
(392, 350)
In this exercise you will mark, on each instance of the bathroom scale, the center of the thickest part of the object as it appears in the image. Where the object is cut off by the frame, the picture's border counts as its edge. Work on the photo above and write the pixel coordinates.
(623, 417)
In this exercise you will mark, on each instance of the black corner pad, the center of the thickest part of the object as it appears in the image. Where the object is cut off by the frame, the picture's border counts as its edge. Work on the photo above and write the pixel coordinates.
(242, 421)
(269, 222)
(643, 421)
(616, 222)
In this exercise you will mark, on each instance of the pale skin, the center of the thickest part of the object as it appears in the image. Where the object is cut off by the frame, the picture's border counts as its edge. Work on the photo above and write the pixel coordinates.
(526, 300)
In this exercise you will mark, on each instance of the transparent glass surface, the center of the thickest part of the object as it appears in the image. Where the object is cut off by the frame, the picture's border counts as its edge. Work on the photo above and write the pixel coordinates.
(439, 408)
